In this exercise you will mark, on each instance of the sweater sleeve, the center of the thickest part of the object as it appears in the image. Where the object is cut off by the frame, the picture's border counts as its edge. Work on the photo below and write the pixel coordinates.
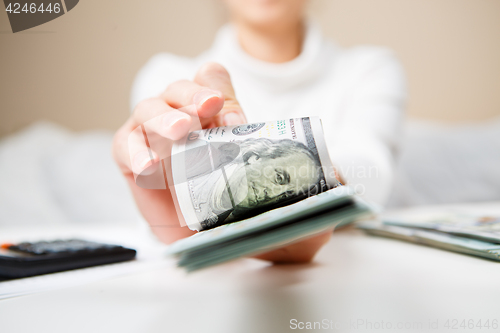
(371, 115)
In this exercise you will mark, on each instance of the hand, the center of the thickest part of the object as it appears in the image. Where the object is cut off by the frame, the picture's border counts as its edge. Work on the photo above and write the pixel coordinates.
(300, 252)
(210, 100)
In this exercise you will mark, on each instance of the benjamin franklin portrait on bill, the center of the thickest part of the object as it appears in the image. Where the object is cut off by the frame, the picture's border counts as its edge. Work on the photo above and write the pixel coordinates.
(231, 181)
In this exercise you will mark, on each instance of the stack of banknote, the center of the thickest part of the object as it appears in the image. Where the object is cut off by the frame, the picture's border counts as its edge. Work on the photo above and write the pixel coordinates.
(252, 188)
(269, 230)
(455, 230)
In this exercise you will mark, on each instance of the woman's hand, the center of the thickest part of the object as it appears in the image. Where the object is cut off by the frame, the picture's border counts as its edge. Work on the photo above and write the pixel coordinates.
(210, 101)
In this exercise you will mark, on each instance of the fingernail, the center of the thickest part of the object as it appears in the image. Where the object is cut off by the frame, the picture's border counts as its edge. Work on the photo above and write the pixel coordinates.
(143, 158)
(204, 95)
(233, 118)
(175, 125)
(143, 161)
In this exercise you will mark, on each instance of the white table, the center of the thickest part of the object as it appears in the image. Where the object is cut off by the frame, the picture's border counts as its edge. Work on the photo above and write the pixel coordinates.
(355, 279)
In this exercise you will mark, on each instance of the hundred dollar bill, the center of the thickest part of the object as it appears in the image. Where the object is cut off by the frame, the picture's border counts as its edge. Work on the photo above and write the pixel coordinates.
(226, 174)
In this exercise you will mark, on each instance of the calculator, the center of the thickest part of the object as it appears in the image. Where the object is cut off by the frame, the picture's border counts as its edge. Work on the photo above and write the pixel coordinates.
(29, 259)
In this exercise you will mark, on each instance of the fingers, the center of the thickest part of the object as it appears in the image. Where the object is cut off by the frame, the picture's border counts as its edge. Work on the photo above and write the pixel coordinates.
(146, 137)
(158, 124)
(194, 99)
(131, 152)
(216, 77)
(211, 95)
(161, 118)
(210, 99)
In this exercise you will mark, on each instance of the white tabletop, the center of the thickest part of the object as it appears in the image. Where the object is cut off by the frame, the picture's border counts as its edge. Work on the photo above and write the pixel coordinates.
(356, 280)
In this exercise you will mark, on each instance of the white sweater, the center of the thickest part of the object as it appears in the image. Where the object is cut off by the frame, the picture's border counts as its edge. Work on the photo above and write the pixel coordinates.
(358, 93)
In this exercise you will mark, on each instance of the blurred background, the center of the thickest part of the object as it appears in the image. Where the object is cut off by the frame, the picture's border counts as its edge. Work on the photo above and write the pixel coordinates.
(75, 74)
(78, 69)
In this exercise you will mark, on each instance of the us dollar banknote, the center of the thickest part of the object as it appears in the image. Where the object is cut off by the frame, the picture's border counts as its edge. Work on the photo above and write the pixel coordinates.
(226, 174)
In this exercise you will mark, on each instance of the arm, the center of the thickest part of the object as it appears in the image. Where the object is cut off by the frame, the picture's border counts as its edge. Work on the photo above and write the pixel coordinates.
(365, 147)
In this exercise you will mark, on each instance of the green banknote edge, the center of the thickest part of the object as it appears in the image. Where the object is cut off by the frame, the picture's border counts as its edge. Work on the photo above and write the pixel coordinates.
(300, 210)
(465, 232)
(265, 241)
(436, 239)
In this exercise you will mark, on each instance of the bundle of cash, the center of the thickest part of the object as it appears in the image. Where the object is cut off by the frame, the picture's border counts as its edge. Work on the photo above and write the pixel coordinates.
(269, 230)
(255, 187)
(458, 231)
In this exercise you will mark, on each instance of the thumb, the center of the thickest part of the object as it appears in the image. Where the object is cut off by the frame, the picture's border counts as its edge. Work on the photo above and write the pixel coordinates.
(215, 76)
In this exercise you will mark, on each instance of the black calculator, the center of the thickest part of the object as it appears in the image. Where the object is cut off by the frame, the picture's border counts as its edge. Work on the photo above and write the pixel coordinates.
(28, 259)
